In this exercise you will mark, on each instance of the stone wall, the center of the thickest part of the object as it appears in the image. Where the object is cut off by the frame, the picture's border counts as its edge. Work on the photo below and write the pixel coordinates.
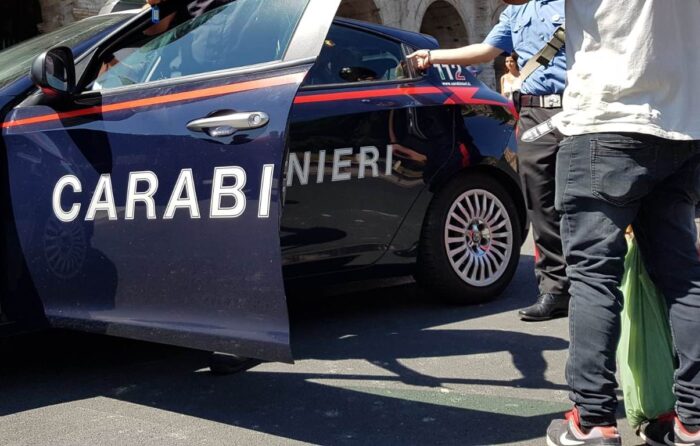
(57, 13)
(87, 8)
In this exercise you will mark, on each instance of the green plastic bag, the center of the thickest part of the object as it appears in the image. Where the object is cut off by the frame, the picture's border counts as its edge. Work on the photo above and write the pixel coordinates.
(645, 354)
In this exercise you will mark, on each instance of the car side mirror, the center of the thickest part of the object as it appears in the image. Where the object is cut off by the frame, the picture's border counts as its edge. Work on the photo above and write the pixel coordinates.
(54, 72)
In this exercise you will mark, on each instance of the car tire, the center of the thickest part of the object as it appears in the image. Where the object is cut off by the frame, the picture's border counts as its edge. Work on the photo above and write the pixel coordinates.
(457, 262)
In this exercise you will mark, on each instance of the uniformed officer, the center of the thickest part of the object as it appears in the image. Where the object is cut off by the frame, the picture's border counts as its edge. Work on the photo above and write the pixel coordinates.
(527, 29)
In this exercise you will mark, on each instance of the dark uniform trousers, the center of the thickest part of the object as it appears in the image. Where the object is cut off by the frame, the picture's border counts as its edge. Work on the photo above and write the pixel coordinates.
(536, 165)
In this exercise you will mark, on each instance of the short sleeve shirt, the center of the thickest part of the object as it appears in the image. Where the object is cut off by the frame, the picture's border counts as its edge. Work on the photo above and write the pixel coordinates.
(526, 29)
(634, 67)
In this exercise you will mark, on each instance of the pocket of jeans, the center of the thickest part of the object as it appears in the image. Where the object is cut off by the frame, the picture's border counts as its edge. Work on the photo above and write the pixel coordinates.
(621, 170)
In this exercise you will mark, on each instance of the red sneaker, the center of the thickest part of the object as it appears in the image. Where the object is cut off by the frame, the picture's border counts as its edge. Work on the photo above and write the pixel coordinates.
(681, 436)
(568, 432)
(654, 432)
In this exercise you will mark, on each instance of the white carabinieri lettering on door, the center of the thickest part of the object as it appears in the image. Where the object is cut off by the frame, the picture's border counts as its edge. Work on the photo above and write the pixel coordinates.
(228, 198)
(343, 165)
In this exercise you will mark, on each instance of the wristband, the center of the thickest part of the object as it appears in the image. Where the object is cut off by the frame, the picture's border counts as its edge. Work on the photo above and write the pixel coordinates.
(430, 58)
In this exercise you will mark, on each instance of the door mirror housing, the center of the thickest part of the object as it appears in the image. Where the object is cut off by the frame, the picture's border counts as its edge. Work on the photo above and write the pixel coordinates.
(54, 72)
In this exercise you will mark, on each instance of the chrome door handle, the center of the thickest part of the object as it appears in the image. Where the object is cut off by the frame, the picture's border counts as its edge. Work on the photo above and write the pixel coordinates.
(228, 124)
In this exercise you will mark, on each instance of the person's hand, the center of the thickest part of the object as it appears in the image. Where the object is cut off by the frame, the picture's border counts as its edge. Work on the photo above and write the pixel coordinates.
(421, 59)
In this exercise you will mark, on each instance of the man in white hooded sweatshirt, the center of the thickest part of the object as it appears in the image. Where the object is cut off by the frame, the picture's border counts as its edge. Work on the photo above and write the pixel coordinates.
(632, 119)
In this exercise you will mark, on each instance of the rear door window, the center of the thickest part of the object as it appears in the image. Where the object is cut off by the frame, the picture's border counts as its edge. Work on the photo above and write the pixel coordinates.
(350, 55)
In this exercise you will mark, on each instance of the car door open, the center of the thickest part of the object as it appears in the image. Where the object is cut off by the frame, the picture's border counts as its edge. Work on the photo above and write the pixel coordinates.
(147, 204)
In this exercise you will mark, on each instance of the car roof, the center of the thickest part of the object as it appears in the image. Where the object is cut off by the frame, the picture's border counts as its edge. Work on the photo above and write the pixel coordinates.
(416, 40)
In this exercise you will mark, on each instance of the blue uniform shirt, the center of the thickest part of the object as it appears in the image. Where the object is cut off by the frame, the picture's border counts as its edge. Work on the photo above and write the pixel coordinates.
(526, 29)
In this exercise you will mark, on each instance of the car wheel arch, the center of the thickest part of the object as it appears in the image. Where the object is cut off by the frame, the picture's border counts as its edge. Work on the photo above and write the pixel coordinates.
(506, 180)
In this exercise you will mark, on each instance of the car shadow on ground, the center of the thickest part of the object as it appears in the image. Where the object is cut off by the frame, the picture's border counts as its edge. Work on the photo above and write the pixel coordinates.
(381, 326)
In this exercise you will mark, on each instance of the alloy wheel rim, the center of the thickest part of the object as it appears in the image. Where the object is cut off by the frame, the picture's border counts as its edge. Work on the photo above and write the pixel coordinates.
(478, 237)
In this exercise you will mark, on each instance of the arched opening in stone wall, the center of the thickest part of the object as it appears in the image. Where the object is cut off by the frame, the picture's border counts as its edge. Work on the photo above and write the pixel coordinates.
(365, 10)
(443, 22)
(18, 21)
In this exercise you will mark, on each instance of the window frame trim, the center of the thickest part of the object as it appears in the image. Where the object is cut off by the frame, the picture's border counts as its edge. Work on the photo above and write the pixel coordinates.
(210, 75)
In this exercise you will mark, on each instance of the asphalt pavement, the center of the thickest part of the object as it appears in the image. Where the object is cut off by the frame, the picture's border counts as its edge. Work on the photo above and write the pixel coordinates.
(379, 365)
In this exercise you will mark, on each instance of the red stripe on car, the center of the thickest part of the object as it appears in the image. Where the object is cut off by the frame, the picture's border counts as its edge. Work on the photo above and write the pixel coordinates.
(366, 94)
(456, 95)
(164, 99)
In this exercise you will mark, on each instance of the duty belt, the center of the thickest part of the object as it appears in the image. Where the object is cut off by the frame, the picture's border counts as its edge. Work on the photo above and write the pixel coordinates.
(548, 101)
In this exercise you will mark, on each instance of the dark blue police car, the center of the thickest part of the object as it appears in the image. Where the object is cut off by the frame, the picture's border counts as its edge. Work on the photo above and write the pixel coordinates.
(166, 178)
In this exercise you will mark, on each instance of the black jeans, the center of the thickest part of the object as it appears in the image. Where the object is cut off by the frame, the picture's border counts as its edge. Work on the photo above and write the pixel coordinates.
(606, 182)
(536, 165)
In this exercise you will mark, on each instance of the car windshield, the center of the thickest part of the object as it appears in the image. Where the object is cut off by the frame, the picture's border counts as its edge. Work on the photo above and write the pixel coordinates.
(16, 61)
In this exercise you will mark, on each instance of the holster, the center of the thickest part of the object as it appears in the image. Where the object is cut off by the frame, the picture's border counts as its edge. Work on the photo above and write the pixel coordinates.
(516, 95)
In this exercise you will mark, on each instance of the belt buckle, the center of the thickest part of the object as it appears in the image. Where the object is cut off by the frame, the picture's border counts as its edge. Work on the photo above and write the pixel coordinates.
(550, 101)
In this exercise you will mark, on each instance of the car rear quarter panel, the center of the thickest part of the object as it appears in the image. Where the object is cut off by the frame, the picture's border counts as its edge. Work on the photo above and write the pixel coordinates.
(484, 141)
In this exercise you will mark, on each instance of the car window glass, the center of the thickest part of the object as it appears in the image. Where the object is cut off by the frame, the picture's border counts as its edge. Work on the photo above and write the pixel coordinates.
(203, 36)
(16, 60)
(350, 55)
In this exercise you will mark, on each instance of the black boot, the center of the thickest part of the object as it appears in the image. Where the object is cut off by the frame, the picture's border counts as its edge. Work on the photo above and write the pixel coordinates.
(548, 306)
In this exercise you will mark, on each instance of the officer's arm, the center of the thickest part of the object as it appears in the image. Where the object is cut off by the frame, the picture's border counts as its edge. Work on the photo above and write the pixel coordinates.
(468, 55)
